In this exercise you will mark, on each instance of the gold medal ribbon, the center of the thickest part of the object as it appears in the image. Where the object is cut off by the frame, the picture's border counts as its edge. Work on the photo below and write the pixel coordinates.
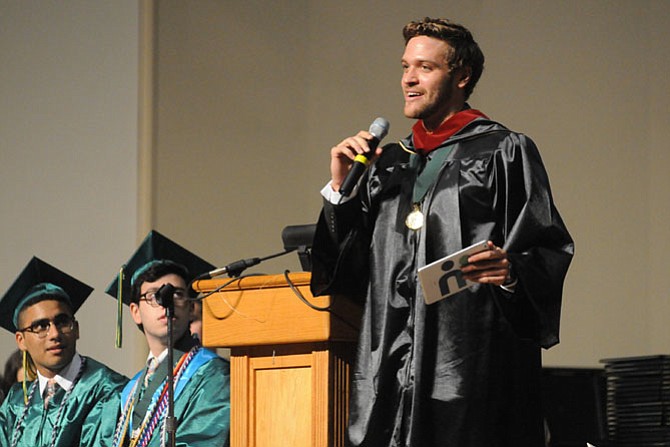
(426, 176)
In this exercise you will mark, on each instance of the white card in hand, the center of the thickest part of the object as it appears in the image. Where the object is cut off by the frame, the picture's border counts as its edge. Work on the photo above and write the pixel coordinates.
(443, 277)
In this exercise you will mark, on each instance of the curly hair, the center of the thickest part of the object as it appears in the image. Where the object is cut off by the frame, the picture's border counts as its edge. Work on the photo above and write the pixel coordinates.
(465, 51)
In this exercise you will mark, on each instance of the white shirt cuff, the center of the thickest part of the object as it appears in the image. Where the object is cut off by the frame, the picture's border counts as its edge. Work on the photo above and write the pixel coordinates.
(335, 197)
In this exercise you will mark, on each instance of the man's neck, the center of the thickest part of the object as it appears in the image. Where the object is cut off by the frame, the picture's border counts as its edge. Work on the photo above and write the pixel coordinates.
(433, 123)
(184, 344)
(66, 375)
(156, 347)
(50, 373)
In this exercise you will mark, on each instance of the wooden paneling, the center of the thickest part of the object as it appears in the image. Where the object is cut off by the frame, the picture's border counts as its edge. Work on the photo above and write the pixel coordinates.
(289, 362)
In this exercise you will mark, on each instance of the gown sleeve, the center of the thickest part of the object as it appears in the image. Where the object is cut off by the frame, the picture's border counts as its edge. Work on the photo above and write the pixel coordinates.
(539, 245)
(339, 255)
(341, 246)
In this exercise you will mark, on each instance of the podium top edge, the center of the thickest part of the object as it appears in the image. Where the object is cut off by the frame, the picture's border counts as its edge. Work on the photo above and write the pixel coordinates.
(251, 282)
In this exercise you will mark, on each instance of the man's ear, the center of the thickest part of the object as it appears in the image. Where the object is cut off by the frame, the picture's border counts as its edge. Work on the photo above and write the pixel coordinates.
(464, 75)
(76, 329)
(135, 313)
(20, 341)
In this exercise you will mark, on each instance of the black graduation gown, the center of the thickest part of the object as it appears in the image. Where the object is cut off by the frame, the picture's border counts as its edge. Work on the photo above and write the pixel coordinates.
(465, 371)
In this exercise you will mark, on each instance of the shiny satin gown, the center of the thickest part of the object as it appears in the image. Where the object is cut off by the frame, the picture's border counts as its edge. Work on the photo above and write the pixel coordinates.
(201, 405)
(465, 371)
(87, 417)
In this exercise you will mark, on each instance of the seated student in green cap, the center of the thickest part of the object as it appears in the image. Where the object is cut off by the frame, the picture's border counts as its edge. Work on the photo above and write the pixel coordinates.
(73, 400)
(201, 378)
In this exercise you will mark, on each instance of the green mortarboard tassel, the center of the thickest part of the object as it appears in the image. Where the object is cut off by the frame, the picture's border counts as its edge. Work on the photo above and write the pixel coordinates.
(119, 309)
(25, 377)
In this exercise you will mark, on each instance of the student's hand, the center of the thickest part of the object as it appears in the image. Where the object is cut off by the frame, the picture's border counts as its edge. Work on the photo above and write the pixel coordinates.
(342, 156)
(490, 266)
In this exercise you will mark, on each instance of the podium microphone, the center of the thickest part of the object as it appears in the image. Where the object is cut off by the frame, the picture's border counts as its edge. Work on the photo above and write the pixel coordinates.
(379, 128)
(234, 269)
(165, 296)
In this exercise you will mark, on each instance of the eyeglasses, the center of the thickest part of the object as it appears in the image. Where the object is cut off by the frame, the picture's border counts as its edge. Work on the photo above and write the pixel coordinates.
(151, 297)
(63, 324)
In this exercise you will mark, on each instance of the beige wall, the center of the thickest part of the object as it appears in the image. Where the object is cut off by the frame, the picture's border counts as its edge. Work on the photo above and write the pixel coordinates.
(657, 88)
(251, 95)
(68, 139)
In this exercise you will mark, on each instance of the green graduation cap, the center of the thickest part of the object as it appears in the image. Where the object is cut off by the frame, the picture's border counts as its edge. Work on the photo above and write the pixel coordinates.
(40, 278)
(155, 248)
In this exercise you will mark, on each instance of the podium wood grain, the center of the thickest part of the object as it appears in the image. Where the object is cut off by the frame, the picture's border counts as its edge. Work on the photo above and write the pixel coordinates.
(289, 362)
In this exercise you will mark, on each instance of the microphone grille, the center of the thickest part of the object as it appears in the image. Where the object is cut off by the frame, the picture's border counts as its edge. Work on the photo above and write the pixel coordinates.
(380, 128)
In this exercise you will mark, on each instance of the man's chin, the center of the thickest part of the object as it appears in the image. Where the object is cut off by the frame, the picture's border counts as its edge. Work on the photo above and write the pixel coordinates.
(62, 355)
(57, 367)
(414, 113)
(411, 114)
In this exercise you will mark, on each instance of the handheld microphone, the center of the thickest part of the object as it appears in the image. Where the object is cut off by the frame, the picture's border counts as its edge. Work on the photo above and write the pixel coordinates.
(379, 128)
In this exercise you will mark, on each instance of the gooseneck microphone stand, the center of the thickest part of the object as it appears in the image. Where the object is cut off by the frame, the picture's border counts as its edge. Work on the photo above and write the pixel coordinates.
(165, 297)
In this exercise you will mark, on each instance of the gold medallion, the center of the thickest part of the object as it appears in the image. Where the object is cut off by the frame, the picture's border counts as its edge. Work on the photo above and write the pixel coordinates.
(414, 220)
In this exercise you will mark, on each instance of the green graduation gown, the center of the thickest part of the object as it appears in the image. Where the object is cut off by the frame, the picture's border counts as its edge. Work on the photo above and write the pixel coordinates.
(202, 402)
(86, 419)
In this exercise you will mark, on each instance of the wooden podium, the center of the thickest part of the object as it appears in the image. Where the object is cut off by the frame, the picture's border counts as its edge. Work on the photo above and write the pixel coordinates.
(289, 362)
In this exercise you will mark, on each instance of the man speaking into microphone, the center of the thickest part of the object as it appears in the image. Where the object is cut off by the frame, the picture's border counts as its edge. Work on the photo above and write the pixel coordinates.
(464, 370)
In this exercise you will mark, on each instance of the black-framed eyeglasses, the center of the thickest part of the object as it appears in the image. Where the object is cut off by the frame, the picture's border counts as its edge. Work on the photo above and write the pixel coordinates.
(63, 323)
(151, 297)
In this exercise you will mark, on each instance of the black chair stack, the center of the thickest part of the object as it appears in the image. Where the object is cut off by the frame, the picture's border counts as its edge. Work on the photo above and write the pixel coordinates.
(638, 401)
(574, 402)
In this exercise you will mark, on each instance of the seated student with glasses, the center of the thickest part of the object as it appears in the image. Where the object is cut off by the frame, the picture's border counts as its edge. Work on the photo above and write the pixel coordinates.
(74, 398)
(201, 378)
